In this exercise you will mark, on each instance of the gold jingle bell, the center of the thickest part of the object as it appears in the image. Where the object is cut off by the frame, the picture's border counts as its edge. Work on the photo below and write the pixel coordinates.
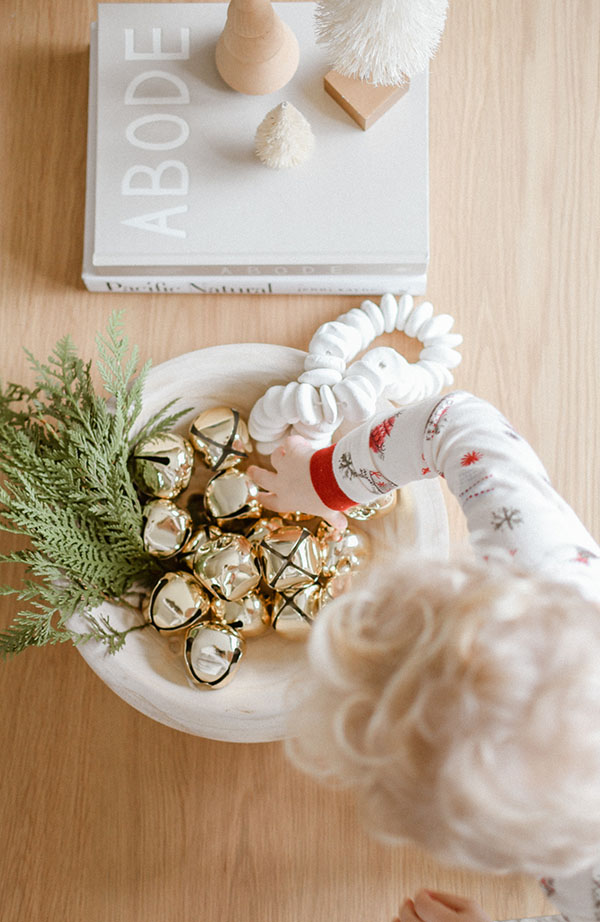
(231, 494)
(220, 437)
(249, 615)
(177, 601)
(262, 529)
(166, 527)
(338, 583)
(379, 507)
(194, 504)
(197, 539)
(212, 653)
(162, 466)
(227, 566)
(294, 613)
(348, 547)
(298, 516)
(290, 557)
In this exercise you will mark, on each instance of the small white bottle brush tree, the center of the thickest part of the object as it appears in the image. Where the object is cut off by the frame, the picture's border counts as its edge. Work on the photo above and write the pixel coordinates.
(284, 138)
(381, 41)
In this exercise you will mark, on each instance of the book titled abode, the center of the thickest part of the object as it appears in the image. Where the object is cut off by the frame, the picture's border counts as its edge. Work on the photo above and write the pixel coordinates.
(177, 200)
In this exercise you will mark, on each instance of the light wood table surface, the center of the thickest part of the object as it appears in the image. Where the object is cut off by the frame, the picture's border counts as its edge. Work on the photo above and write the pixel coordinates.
(106, 816)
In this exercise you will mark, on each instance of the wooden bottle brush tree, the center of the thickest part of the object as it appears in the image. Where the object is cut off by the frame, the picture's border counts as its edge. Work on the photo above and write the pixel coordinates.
(257, 52)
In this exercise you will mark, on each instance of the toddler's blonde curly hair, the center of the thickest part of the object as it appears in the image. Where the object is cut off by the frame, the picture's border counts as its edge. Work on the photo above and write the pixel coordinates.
(461, 701)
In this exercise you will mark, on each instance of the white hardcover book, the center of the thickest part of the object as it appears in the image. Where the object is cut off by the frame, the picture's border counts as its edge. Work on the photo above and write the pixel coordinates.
(177, 200)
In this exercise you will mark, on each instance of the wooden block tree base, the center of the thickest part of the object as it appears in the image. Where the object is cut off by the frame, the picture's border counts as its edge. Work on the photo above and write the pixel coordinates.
(364, 101)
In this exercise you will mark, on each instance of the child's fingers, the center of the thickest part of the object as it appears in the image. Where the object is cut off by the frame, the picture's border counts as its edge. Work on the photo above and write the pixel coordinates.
(430, 909)
(337, 519)
(269, 501)
(407, 912)
(451, 900)
(432, 906)
(262, 477)
(277, 456)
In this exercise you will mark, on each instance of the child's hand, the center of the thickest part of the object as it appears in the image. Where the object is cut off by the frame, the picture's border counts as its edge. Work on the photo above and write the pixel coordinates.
(429, 906)
(289, 487)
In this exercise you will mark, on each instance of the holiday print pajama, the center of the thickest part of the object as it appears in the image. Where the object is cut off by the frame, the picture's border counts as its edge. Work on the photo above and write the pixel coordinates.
(509, 504)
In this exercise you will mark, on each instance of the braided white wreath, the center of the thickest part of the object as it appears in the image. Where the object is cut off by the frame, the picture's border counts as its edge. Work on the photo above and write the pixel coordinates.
(329, 390)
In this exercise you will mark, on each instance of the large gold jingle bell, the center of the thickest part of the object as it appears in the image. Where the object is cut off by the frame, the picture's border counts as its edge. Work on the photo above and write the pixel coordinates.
(249, 615)
(227, 566)
(166, 528)
(220, 437)
(177, 601)
(339, 583)
(366, 511)
(197, 539)
(263, 528)
(348, 547)
(212, 653)
(231, 494)
(294, 613)
(162, 466)
(290, 557)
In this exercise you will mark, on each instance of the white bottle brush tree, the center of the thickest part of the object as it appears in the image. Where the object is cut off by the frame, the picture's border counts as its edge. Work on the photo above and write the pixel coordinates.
(382, 41)
(284, 138)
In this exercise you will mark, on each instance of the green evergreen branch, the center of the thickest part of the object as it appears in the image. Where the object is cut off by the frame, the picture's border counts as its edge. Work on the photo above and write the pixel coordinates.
(64, 453)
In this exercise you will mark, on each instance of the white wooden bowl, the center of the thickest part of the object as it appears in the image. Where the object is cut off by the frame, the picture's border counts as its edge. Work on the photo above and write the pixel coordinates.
(147, 673)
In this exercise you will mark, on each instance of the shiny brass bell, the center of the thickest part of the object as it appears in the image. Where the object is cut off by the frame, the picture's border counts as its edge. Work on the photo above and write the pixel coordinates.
(198, 537)
(177, 601)
(166, 527)
(162, 466)
(220, 437)
(249, 615)
(338, 583)
(348, 547)
(227, 566)
(378, 507)
(294, 613)
(231, 494)
(262, 529)
(212, 653)
(290, 557)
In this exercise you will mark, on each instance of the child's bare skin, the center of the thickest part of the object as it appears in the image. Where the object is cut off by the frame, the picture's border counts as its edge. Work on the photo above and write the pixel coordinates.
(430, 906)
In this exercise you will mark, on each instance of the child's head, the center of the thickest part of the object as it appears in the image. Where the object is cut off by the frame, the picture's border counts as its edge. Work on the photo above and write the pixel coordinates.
(462, 702)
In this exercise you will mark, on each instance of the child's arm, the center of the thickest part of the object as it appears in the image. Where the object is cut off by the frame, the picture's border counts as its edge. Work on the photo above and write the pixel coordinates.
(495, 475)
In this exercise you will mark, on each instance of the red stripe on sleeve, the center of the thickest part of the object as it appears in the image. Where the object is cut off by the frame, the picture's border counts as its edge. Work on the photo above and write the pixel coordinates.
(324, 482)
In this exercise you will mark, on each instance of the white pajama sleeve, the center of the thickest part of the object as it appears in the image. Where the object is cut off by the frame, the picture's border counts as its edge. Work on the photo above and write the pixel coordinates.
(501, 485)
(577, 897)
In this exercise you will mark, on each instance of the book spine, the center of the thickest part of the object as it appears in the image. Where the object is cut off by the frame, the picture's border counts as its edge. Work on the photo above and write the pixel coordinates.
(259, 285)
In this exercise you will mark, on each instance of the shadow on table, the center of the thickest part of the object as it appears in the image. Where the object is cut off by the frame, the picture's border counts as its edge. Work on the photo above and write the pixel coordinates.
(45, 151)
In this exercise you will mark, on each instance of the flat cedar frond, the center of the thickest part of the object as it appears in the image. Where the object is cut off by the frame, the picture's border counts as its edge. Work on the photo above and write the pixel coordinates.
(64, 453)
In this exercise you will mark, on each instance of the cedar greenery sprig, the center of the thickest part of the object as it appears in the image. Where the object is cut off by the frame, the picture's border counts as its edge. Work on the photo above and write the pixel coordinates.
(65, 486)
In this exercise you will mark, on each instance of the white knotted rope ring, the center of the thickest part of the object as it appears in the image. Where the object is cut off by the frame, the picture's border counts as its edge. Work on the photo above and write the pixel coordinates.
(330, 390)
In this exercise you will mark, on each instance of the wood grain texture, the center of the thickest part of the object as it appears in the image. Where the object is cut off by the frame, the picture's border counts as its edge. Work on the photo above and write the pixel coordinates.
(106, 816)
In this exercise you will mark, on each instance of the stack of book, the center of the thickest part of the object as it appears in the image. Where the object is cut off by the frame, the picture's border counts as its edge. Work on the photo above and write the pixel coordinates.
(177, 200)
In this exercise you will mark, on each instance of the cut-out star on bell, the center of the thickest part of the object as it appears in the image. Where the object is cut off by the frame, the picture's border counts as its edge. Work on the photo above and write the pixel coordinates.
(220, 436)
(290, 557)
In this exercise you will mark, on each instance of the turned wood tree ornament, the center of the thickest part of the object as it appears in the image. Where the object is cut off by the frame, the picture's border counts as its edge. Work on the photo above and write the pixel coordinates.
(257, 52)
